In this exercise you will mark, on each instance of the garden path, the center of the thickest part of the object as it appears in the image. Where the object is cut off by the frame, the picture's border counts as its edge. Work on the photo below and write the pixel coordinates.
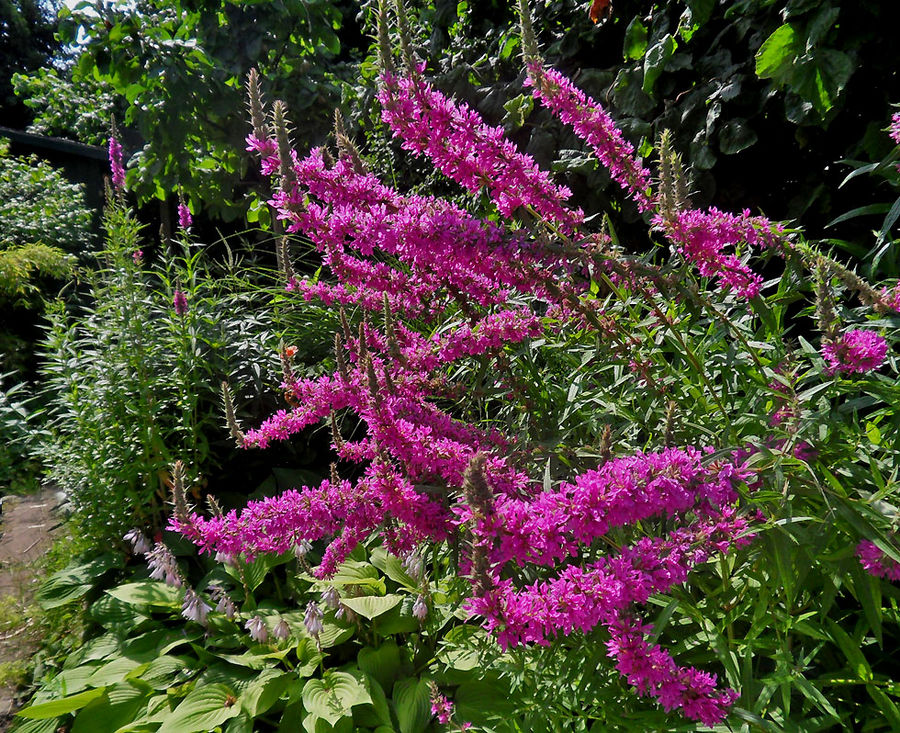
(26, 533)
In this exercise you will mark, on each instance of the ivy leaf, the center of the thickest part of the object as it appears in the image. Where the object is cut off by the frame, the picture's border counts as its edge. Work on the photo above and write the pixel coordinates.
(701, 10)
(635, 40)
(655, 61)
(775, 57)
(517, 110)
(736, 135)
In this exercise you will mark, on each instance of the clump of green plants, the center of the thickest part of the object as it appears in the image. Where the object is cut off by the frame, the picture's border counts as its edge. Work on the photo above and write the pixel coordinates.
(131, 376)
(18, 467)
(573, 487)
(45, 226)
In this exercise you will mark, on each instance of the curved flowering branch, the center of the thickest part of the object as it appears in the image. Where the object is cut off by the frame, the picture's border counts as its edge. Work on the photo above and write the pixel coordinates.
(593, 125)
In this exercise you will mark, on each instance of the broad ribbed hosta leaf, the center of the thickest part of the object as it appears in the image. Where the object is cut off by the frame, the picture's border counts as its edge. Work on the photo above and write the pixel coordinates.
(55, 708)
(382, 663)
(333, 697)
(203, 709)
(264, 691)
(75, 580)
(412, 701)
(120, 706)
(148, 593)
(372, 606)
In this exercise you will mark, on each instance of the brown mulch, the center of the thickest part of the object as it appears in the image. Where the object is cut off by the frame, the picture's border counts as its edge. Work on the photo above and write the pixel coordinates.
(26, 533)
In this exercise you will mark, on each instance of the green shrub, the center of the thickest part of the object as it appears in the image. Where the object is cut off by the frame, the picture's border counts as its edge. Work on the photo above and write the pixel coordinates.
(38, 205)
(131, 384)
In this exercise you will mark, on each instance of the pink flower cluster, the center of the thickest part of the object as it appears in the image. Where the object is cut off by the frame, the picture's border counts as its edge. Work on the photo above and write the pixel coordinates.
(593, 125)
(558, 525)
(469, 151)
(876, 562)
(115, 163)
(855, 351)
(469, 286)
(894, 128)
(184, 216)
(701, 236)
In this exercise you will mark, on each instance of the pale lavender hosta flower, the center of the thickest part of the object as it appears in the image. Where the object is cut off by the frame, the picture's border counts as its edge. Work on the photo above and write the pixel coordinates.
(301, 547)
(257, 628)
(313, 619)
(226, 558)
(414, 565)
(162, 565)
(194, 607)
(281, 631)
(331, 598)
(224, 604)
(140, 543)
(420, 609)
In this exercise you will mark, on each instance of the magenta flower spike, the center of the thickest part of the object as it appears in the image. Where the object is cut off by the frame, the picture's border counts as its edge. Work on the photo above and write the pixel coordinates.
(115, 163)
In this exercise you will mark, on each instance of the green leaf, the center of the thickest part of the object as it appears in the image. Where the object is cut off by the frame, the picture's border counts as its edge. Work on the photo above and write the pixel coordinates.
(701, 10)
(517, 110)
(479, 699)
(885, 705)
(75, 580)
(412, 701)
(851, 650)
(635, 40)
(334, 696)
(55, 708)
(391, 566)
(148, 593)
(117, 707)
(655, 61)
(382, 663)
(775, 57)
(736, 135)
(204, 708)
(264, 692)
(372, 606)
(814, 695)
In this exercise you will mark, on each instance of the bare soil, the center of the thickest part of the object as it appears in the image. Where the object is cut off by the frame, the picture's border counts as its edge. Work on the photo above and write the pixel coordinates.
(27, 527)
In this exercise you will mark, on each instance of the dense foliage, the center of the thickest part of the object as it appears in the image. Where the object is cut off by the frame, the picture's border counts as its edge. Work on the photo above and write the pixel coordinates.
(577, 483)
(27, 42)
(180, 66)
(81, 111)
(131, 377)
(45, 227)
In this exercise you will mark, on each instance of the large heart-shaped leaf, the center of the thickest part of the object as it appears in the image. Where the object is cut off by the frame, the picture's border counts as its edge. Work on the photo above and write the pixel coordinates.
(372, 606)
(203, 709)
(334, 696)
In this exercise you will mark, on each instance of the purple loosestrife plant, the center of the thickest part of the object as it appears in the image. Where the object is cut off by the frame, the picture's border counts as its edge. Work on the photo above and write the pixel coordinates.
(855, 351)
(431, 290)
(115, 163)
